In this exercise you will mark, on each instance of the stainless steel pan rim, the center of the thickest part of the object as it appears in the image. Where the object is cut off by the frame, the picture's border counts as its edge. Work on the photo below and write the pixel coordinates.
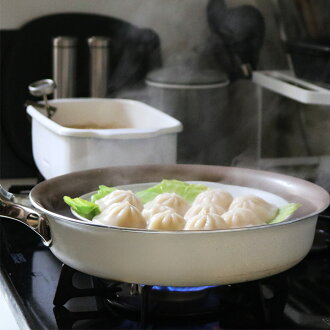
(176, 232)
(191, 172)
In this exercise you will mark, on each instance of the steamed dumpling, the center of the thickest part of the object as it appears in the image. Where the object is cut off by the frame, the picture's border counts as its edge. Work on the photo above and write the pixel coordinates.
(172, 200)
(206, 221)
(118, 196)
(166, 220)
(122, 214)
(215, 196)
(259, 206)
(153, 209)
(241, 217)
(204, 208)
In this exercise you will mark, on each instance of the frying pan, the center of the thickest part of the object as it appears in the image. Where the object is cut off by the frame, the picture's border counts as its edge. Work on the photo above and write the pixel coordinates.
(178, 258)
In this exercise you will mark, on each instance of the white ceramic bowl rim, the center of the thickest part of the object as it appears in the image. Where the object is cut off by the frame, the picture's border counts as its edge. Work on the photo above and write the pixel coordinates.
(173, 125)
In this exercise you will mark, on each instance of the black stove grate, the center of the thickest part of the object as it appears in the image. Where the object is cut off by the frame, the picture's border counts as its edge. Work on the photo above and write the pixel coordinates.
(257, 304)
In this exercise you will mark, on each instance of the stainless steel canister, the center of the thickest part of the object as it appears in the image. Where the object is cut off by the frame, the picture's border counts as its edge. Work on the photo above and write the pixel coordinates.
(64, 66)
(99, 65)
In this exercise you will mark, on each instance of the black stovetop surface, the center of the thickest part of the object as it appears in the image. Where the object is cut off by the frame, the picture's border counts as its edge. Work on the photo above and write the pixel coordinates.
(296, 299)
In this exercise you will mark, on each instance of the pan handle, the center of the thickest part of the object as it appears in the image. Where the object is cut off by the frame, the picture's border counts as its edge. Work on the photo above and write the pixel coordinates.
(37, 222)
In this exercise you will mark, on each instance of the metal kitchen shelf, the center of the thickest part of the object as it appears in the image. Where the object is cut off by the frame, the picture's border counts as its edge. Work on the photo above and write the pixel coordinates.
(286, 84)
(269, 163)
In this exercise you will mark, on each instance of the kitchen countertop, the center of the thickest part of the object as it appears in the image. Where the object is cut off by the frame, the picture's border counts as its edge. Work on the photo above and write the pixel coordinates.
(7, 320)
(6, 183)
(11, 316)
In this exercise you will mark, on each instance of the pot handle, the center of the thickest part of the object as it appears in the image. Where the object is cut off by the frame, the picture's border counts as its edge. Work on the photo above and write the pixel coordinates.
(37, 222)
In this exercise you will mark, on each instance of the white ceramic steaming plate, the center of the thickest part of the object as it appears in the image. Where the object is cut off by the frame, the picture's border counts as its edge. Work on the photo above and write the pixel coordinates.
(235, 191)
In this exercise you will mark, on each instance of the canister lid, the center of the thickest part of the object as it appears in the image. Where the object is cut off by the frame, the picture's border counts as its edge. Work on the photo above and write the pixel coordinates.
(64, 41)
(98, 41)
(187, 77)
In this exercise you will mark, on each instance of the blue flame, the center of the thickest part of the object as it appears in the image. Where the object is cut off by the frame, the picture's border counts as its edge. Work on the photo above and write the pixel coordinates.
(181, 288)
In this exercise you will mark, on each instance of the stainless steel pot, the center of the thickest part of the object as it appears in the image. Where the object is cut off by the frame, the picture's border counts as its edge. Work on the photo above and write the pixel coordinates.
(182, 258)
(199, 99)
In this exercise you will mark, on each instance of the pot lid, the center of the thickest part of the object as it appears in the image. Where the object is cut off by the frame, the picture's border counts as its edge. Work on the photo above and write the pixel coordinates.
(187, 77)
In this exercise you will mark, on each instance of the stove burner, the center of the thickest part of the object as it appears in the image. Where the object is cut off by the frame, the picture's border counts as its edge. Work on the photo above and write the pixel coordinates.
(181, 289)
(147, 304)
(67, 290)
(247, 305)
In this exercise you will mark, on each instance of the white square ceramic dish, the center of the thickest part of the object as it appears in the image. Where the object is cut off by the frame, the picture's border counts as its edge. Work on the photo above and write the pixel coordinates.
(131, 133)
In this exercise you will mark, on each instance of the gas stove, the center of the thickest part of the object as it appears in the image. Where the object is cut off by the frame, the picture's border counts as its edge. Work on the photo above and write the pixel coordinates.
(48, 295)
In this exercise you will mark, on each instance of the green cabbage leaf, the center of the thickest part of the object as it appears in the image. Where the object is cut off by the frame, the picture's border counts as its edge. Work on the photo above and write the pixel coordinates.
(83, 207)
(102, 192)
(285, 212)
(186, 190)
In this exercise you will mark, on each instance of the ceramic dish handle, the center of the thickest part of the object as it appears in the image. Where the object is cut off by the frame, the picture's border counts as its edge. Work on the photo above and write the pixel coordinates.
(37, 222)
(43, 88)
